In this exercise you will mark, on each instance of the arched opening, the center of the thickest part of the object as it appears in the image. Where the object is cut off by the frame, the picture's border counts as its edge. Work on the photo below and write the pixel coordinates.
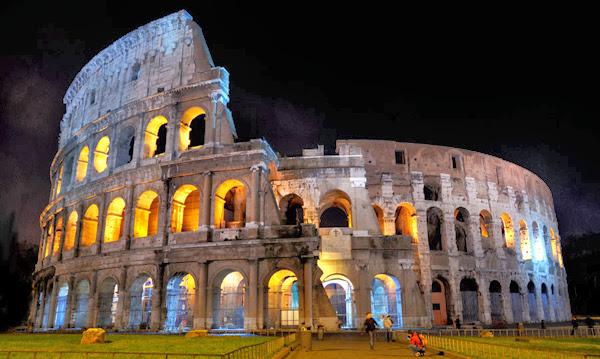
(486, 229)
(434, 228)
(335, 210)
(379, 214)
(61, 305)
(545, 302)
(229, 301)
(181, 294)
(461, 228)
(525, 245)
(57, 236)
(515, 299)
(553, 245)
(508, 231)
(82, 299)
(107, 303)
(71, 231)
(155, 137)
(340, 292)
(538, 243)
(58, 182)
(291, 210)
(101, 154)
(140, 310)
(470, 299)
(532, 302)
(82, 164)
(406, 221)
(47, 306)
(68, 172)
(439, 300)
(146, 215)
(554, 303)
(125, 146)
(191, 128)
(431, 190)
(283, 301)
(90, 226)
(49, 238)
(386, 300)
(114, 220)
(496, 303)
(230, 205)
(185, 209)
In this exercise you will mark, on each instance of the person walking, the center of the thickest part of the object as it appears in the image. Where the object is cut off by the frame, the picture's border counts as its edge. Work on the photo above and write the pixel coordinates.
(417, 344)
(590, 324)
(457, 322)
(387, 325)
(575, 325)
(370, 327)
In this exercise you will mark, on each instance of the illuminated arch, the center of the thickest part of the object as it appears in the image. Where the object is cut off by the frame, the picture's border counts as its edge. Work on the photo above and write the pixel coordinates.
(553, 245)
(61, 305)
(291, 209)
(181, 294)
(58, 182)
(537, 242)
(406, 221)
(335, 209)
(531, 299)
(155, 137)
(125, 146)
(101, 154)
(340, 292)
(283, 302)
(191, 128)
(49, 237)
(107, 303)
(90, 226)
(140, 310)
(82, 164)
(146, 215)
(230, 205)
(71, 230)
(82, 299)
(525, 245)
(185, 209)
(57, 236)
(379, 214)
(508, 230)
(229, 300)
(114, 220)
(386, 299)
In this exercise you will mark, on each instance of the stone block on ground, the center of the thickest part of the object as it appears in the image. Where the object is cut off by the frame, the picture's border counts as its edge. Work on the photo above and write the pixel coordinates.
(486, 334)
(196, 333)
(94, 336)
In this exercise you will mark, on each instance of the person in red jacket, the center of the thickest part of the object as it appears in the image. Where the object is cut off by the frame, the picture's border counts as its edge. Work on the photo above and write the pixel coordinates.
(417, 344)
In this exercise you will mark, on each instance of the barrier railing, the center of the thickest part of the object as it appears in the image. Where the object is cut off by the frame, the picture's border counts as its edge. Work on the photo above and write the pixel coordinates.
(526, 332)
(256, 351)
(475, 349)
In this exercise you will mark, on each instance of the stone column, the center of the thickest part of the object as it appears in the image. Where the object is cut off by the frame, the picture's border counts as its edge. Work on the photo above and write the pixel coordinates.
(92, 301)
(486, 301)
(210, 137)
(206, 201)
(251, 318)
(70, 298)
(308, 291)
(44, 289)
(364, 294)
(129, 220)
(101, 223)
(63, 234)
(165, 211)
(449, 232)
(77, 240)
(255, 210)
(200, 305)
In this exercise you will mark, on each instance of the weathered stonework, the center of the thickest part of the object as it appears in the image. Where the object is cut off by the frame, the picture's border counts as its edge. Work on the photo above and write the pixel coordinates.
(137, 213)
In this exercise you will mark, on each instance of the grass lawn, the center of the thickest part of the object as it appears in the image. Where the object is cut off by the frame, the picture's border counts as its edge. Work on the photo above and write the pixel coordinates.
(572, 345)
(124, 343)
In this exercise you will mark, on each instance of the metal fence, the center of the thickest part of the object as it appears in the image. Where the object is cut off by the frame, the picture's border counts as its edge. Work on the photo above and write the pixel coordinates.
(256, 351)
(474, 349)
(559, 332)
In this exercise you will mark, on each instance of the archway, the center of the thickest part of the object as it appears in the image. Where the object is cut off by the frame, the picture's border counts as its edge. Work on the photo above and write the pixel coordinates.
(114, 220)
(386, 299)
(470, 299)
(155, 137)
(532, 302)
(406, 221)
(61, 305)
(101, 154)
(283, 301)
(71, 231)
(230, 205)
(57, 235)
(146, 215)
(185, 214)
(140, 309)
(107, 303)
(496, 303)
(486, 229)
(439, 300)
(335, 210)
(82, 299)
(181, 294)
(545, 302)
(340, 292)
(192, 128)
(125, 146)
(435, 228)
(515, 299)
(508, 231)
(291, 210)
(379, 215)
(229, 301)
(90, 226)
(82, 164)
(525, 245)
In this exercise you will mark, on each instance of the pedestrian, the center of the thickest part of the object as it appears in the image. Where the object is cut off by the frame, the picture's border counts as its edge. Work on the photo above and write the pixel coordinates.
(457, 322)
(590, 324)
(370, 327)
(417, 344)
(575, 325)
(387, 325)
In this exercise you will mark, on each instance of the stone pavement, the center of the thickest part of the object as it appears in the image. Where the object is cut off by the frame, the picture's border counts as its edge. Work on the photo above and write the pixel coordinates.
(352, 345)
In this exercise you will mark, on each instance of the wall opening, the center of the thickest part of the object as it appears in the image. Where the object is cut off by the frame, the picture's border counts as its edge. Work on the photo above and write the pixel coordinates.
(496, 303)
(291, 210)
(192, 128)
(140, 310)
(335, 210)
(230, 205)
(82, 164)
(439, 300)
(508, 231)
(89, 228)
(461, 228)
(470, 299)
(515, 299)
(525, 245)
(107, 303)
(181, 296)
(114, 220)
(80, 313)
(125, 146)
(71, 231)
(435, 228)
(283, 300)
(155, 137)
(406, 221)
(101, 154)
(61, 305)
(229, 302)
(386, 300)
(531, 300)
(340, 292)
(146, 215)
(57, 236)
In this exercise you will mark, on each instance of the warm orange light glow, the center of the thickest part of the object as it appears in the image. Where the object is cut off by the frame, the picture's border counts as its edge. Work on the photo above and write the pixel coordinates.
(230, 207)
(114, 220)
(509, 230)
(485, 223)
(553, 245)
(525, 245)
(186, 209)
(184, 126)
(101, 154)
(406, 221)
(152, 135)
(82, 164)
(71, 230)
(57, 236)
(339, 199)
(146, 215)
(49, 239)
(90, 226)
(59, 181)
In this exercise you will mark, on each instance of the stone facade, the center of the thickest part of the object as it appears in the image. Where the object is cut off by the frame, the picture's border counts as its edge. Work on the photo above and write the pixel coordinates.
(159, 219)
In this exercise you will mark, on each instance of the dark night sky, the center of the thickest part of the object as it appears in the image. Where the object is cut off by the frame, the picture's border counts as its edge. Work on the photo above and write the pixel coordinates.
(520, 84)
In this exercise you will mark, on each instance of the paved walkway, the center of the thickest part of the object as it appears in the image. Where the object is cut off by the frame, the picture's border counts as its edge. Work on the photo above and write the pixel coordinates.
(351, 346)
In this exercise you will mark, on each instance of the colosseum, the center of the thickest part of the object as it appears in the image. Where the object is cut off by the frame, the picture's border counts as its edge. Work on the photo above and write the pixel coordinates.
(159, 220)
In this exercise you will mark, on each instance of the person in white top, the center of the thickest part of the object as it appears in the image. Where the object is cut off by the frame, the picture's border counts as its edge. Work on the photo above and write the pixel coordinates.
(387, 325)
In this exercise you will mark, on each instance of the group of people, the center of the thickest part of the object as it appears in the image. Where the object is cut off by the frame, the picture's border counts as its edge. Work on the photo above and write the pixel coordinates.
(417, 341)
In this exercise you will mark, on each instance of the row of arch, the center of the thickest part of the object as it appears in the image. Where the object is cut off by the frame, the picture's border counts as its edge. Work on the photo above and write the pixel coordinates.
(75, 168)
(515, 301)
(229, 298)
